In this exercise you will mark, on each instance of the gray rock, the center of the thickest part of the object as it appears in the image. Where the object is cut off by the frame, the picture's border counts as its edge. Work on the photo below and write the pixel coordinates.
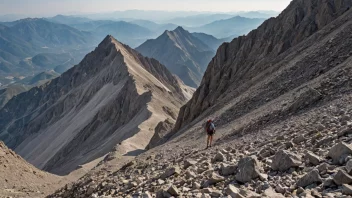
(349, 167)
(228, 169)
(341, 177)
(339, 150)
(214, 178)
(312, 158)
(310, 178)
(146, 195)
(195, 185)
(299, 139)
(163, 194)
(189, 163)
(190, 174)
(171, 171)
(219, 157)
(248, 169)
(284, 160)
(232, 191)
(173, 191)
(346, 189)
(272, 194)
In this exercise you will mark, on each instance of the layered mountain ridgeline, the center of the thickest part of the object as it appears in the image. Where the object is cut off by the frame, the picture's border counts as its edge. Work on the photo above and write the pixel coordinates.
(181, 52)
(113, 97)
(229, 27)
(129, 33)
(281, 100)
(249, 61)
(210, 40)
(21, 40)
(18, 178)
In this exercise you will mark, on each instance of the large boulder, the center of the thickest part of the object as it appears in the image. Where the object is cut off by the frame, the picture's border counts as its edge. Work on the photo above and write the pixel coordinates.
(312, 158)
(248, 169)
(284, 160)
(310, 178)
(228, 169)
(213, 179)
(341, 177)
(337, 151)
(171, 171)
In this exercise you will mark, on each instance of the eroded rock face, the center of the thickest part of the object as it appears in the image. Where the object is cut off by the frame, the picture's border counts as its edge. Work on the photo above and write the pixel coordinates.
(246, 57)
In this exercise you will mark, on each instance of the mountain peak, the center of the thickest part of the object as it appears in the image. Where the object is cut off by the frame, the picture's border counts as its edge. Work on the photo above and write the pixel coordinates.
(180, 30)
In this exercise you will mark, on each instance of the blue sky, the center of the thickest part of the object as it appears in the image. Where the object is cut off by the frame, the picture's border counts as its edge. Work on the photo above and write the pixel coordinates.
(51, 7)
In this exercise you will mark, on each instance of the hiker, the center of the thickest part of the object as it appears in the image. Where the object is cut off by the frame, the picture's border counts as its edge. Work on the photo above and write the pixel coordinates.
(210, 129)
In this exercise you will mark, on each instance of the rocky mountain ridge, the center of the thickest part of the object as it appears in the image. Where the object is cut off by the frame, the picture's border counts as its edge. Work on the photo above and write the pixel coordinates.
(114, 97)
(181, 52)
(248, 60)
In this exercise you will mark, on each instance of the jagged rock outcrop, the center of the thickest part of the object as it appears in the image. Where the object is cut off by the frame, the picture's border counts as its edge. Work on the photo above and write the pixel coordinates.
(181, 52)
(250, 60)
(114, 96)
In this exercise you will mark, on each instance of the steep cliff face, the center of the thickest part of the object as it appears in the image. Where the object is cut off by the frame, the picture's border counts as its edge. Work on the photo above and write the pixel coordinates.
(114, 96)
(249, 60)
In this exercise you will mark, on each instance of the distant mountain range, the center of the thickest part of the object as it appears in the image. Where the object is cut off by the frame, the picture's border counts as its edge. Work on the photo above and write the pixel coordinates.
(182, 53)
(228, 27)
(210, 40)
(30, 46)
(175, 16)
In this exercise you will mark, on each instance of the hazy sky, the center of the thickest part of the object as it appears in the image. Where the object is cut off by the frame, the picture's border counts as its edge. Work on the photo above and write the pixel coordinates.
(52, 7)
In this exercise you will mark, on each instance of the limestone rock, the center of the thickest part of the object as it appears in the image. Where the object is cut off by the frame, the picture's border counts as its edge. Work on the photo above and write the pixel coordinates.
(310, 178)
(284, 160)
(349, 167)
(248, 169)
(312, 158)
(346, 189)
(341, 177)
(339, 150)
(213, 179)
(228, 169)
(171, 171)
(232, 191)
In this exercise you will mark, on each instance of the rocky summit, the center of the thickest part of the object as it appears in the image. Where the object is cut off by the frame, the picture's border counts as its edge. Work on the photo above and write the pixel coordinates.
(181, 52)
(281, 100)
